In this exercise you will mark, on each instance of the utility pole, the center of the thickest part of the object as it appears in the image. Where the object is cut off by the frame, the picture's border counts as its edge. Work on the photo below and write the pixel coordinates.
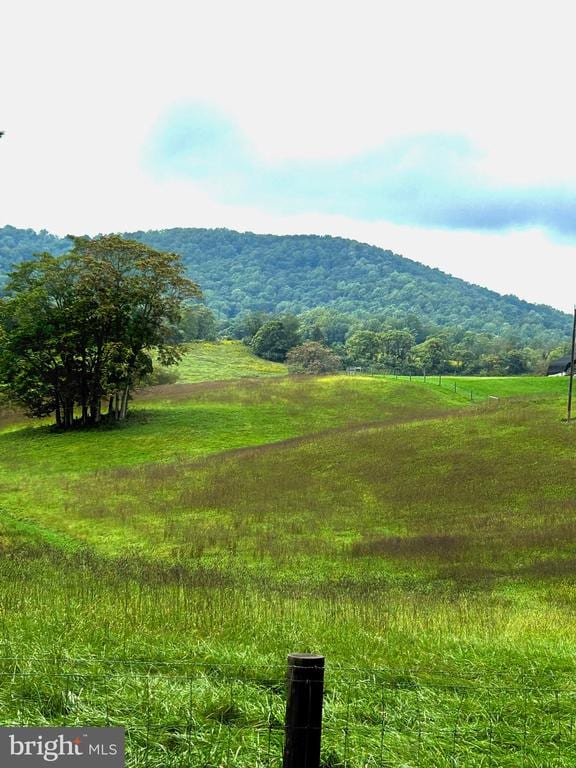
(572, 367)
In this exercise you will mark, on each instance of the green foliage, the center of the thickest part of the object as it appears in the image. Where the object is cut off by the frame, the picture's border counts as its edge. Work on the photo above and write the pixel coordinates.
(242, 273)
(246, 326)
(396, 346)
(18, 245)
(275, 338)
(326, 326)
(312, 357)
(251, 280)
(197, 323)
(431, 355)
(364, 347)
(78, 328)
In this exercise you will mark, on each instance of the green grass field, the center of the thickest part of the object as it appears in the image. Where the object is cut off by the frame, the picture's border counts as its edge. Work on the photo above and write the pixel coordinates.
(486, 387)
(156, 574)
(210, 361)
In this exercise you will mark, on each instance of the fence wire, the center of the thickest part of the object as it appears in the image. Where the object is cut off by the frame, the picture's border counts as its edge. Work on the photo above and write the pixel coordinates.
(202, 715)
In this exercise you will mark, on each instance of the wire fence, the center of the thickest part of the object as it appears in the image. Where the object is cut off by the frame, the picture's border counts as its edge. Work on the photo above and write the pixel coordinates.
(447, 382)
(207, 715)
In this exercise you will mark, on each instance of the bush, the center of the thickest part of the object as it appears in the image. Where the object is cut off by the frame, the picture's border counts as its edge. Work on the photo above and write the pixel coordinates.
(274, 339)
(312, 357)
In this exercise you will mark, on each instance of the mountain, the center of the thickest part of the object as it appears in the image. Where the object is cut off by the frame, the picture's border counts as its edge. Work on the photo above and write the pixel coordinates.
(243, 272)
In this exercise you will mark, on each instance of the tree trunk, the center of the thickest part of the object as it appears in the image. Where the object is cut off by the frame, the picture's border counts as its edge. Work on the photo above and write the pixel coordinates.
(84, 392)
(124, 402)
(95, 388)
(68, 414)
(95, 411)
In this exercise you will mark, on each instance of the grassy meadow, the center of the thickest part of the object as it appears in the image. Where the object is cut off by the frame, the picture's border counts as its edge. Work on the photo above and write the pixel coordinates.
(222, 360)
(156, 574)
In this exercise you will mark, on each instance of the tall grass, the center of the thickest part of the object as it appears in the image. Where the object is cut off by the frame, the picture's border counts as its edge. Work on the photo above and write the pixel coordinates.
(156, 575)
(416, 677)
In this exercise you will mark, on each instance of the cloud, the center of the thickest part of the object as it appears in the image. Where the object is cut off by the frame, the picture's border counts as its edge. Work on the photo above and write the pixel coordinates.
(433, 179)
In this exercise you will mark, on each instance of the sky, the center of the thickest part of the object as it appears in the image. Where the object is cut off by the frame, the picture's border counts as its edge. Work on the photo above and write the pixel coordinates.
(443, 131)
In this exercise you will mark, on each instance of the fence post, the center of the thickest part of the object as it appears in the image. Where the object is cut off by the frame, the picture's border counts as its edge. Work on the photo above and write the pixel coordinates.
(303, 725)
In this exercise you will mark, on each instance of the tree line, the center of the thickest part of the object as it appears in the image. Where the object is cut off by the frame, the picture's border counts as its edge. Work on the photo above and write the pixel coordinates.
(78, 332)
(406, 345)
(403, 344)
(279, 275)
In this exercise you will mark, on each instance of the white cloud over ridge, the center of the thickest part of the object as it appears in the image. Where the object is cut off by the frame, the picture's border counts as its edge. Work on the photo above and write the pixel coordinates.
(320, 87)
(431, 179)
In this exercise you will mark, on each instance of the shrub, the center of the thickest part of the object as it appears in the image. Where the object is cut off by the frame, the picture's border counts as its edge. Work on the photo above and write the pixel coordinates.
(312, 357)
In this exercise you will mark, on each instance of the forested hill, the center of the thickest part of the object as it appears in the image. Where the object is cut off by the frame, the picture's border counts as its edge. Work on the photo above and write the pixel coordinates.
(244, 272)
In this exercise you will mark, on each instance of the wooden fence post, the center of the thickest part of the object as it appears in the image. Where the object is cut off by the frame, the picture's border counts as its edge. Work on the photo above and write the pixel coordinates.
(303, 725)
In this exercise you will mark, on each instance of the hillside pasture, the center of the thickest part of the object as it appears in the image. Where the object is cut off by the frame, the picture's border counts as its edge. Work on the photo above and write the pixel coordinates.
(500, 386)
(222, 360)
(159, 572)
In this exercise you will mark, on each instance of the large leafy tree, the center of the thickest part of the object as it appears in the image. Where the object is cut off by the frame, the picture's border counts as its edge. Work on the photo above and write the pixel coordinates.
(431, 356)
(364, 347)
(198, 323)
(275, 338)
(312, 357)
(78, 329)
(396, 346)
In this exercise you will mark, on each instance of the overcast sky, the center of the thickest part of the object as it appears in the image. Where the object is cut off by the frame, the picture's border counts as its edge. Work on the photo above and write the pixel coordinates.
(444, 131)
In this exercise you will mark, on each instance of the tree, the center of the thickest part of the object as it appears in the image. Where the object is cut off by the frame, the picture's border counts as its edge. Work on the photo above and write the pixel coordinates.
(78, 328)
(363, 347)
(514, 362)
(396, 346)
(274, 339)
(197, 323)
(326, 325)
(312, 357)
(246, 326)
(431, 355)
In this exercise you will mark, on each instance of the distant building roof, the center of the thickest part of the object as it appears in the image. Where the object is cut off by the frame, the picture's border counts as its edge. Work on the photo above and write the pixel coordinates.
(559, 366)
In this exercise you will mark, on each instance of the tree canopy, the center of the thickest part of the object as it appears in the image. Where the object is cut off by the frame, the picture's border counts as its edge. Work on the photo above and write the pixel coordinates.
(312, 357)
(275, 338)
(77, 329)
(244, 273)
